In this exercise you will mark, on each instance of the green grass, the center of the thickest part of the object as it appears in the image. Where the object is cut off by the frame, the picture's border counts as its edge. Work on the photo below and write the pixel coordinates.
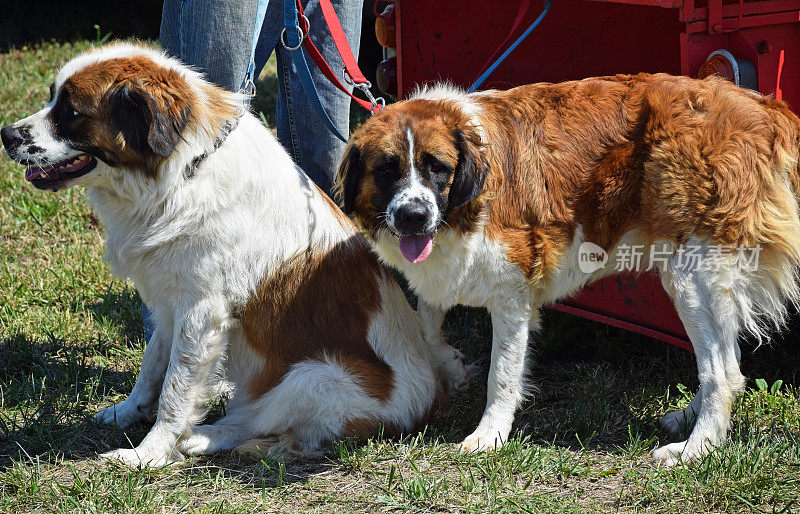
(70, 342)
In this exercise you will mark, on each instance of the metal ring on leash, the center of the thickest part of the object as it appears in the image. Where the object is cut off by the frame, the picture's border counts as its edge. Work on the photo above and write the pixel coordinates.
(379, 102)
(249, 87)
(302, 35)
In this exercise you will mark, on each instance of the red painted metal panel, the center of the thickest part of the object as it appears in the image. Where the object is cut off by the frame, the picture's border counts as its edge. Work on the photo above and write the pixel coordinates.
(654, 3)
(615, 321)
(773, 49)
(577, 39)
(638, 300)
(582, 38)
(731, 10)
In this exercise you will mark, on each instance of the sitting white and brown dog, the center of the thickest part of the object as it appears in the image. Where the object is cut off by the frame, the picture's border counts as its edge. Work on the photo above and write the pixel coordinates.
(258, 284)
(486, 199)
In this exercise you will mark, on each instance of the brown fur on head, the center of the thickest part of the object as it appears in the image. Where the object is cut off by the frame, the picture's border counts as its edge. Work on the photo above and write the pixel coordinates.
(122, 106)
(132, 112)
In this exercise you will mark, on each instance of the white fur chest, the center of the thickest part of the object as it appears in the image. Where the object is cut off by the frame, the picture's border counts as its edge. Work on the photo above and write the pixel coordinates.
(470, 270)
(246, 209)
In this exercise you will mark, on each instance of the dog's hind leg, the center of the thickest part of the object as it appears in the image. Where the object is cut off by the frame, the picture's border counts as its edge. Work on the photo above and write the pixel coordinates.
(315, 401)
(705, 303)
(142, 403)
(225, 434)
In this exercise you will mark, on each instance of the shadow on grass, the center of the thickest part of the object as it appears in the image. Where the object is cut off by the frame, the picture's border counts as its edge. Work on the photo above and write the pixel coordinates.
(123, 310)
(47, 387)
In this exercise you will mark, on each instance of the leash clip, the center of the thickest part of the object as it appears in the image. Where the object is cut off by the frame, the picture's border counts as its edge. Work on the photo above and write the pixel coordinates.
(300, 34)
(379, 102)
(249, 87)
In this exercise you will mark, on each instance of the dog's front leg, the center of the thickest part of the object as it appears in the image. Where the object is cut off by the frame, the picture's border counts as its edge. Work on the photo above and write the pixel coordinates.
(511, 321)
(197, 349)
(143, 400)
(449, 362)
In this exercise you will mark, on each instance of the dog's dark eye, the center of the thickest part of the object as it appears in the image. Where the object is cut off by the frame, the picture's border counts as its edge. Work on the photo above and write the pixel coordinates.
(72, 114)
(385, 166)
(440, 169)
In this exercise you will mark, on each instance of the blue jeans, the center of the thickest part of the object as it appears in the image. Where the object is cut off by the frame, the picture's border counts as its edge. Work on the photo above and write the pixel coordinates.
(215, 36)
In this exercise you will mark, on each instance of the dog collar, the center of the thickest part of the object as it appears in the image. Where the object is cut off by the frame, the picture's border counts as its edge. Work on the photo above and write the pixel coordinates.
(229, 127)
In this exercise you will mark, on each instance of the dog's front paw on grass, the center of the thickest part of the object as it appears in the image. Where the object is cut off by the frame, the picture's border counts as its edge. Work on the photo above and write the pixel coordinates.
(136, 457)
(676, 453)
(124, 414)
(481, 441)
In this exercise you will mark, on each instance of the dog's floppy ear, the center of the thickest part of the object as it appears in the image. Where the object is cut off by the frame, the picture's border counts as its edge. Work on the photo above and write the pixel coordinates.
(132, 117)
(147, 124)
(471, 170)
(349, 176)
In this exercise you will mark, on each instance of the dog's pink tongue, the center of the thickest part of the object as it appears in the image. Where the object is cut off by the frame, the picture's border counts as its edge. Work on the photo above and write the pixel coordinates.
(416, 248)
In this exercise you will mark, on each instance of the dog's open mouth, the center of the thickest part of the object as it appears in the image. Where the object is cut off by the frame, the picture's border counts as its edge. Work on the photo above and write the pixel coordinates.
(416, 248)
(51, 177)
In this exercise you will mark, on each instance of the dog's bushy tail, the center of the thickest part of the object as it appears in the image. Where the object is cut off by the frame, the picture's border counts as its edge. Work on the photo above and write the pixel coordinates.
(774, 287)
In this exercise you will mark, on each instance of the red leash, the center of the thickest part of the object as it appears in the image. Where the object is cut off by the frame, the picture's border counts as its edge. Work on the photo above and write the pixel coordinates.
(523, 8)
(351, 70)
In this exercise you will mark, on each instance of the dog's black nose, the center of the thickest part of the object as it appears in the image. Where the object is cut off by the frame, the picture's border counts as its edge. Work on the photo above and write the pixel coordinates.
(412, 218)
(9, 137)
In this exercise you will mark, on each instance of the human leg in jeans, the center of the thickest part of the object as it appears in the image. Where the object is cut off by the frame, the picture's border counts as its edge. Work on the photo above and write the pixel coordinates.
(215, 37)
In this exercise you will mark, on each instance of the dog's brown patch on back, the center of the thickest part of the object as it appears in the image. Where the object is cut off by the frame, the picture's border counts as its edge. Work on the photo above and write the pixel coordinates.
(644, 153)
(318, 305)
(360, 427)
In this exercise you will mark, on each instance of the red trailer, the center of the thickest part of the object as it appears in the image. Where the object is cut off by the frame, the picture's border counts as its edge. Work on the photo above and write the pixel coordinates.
(756, 43)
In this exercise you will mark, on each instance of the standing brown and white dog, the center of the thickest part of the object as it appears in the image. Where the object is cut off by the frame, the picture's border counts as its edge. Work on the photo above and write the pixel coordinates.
(487, 199)
(258, 284)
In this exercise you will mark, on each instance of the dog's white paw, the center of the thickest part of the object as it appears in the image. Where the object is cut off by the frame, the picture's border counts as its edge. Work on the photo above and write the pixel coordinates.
(455, 372)
(124, 414)
(139, 457)
(675, 453)
(482, 441)
(678, 422)
(210, 439)
(196, 444)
